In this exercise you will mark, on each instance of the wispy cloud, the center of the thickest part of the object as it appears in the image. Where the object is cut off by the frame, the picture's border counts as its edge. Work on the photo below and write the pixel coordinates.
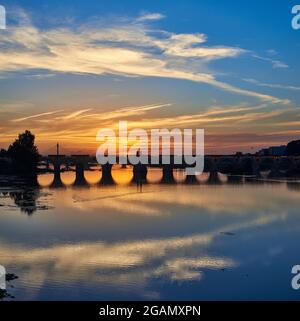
(73, 115)
(126, 49)
(36, 116)
(83, 115)
(187, 45)
(274, 62)
(275, 86)
(150, 16)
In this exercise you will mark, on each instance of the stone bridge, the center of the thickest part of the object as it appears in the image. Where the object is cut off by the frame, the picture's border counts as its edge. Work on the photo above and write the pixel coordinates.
(252, 165)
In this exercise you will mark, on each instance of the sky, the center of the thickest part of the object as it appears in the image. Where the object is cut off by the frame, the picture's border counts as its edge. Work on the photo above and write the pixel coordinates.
(68, 69)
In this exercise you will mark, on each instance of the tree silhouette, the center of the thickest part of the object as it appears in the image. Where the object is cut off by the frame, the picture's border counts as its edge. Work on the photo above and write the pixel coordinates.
(293, 148)
(24, 154)
(3, 153)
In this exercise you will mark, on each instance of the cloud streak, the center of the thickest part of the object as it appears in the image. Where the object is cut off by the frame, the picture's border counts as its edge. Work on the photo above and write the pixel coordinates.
(276, 86)
(150, 16)
(17, 120)
(274, 62)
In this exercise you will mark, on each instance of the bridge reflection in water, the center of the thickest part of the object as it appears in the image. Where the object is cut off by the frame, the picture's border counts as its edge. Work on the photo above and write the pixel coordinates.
(26, 197)
(128, 176)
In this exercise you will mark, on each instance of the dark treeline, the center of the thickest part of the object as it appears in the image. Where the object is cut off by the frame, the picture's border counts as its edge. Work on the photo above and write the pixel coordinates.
(21, 157)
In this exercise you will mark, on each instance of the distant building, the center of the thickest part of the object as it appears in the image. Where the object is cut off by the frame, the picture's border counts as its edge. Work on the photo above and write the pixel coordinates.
(273, 151)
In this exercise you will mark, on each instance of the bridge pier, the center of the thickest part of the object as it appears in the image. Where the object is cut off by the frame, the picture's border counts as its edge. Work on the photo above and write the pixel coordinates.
(80, 179)
(235, 179)
(57, 182)
(191, 179)
(140, 173)
(213, 177)
(106, 178)
(168, 177)
(67, 166)
(213, 173)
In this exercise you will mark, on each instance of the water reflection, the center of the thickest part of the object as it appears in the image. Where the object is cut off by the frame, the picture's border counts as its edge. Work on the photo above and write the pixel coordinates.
(68, 178)
(168, 241)
(154, 176)
(122, 176)
(45, 180)
(26, 199)
(116, 263)
(93, 177)
(125, 176)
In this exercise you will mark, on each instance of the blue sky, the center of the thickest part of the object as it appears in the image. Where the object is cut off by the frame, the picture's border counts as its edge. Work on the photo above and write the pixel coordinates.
(230, 67)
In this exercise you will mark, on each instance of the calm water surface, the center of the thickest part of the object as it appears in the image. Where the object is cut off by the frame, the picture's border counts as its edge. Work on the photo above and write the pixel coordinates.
(233, 240)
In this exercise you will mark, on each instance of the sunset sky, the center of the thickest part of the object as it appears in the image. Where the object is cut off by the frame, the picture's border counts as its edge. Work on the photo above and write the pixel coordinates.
(70, 68)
